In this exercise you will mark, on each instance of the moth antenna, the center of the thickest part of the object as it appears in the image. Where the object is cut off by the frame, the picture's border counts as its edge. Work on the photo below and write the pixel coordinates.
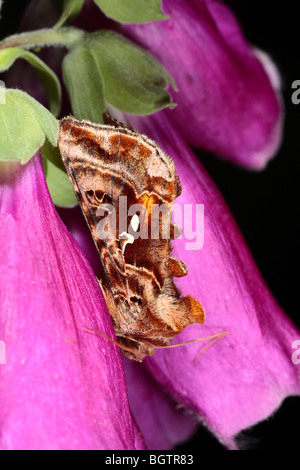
(109, 339)
(213, 338)
(219, 336)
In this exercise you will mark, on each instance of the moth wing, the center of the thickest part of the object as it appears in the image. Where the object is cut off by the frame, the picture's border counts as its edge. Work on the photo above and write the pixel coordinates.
(86, 175)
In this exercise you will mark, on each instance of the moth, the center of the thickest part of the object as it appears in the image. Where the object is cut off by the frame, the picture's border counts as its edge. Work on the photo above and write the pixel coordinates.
(108, 165)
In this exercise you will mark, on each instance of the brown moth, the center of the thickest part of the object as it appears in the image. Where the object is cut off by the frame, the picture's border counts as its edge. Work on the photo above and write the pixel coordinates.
(110, 164)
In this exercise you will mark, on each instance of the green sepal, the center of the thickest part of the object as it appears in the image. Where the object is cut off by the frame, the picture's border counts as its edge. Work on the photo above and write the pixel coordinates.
(132, 11)
(71, 8)
(58, 182)
(84, 82)
(134, 81)
(24, 124)
(47, 77)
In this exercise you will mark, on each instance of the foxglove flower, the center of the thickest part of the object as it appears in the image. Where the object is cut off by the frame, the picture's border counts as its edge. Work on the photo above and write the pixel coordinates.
(61, 387)
(211, 57)
(254, 359)
(228, 103)
(163, 421)
(228, 99)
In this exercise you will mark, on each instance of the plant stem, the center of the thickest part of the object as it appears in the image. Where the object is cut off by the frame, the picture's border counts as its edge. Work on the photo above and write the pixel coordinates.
(67, 36)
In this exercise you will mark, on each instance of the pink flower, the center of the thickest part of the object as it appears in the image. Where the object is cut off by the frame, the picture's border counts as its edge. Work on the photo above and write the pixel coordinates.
(72, 381)
(163, 422)
(61, 387)
(228, 101)
(254, 359)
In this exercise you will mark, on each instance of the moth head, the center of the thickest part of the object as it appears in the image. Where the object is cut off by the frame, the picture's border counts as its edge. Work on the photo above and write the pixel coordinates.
(136, 350)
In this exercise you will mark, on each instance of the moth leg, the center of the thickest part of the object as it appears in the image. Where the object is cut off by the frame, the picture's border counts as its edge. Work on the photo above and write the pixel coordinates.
(100, 283)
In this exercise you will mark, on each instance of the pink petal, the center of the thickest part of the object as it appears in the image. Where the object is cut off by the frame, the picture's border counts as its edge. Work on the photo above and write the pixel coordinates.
(244, 377)
(227, 103)
(62, 387)
(163, 422)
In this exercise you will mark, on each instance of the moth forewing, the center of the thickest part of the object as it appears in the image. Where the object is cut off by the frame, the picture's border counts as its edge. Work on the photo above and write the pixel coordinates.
(106, 165)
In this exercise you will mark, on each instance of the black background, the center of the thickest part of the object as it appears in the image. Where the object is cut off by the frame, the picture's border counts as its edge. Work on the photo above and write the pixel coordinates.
(264, 204)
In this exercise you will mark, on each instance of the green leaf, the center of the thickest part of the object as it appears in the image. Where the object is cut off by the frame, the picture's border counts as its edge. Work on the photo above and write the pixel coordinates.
(47, 77)
(53, 155)
(84, 82)
(71, 8)
(46, 120)
(58, 182)
(24, 124)
(134, 81)
(132, 11)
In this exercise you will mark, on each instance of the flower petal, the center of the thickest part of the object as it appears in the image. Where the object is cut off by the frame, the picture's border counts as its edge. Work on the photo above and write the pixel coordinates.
(244, 377)
(226, 102)
(62, 387)
(162, 422)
